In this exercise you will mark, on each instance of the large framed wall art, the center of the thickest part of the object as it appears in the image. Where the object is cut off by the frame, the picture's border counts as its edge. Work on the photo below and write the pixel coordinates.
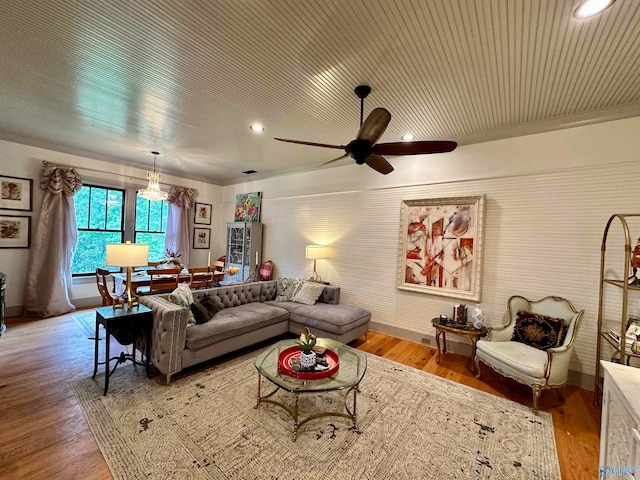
(440, 246)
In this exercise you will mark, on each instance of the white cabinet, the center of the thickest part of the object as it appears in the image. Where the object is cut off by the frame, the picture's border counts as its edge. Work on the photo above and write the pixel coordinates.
(244, 248)
(620, 426)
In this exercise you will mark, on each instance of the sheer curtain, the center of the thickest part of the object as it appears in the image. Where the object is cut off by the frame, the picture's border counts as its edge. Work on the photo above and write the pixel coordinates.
(177, 234)
(48, 285)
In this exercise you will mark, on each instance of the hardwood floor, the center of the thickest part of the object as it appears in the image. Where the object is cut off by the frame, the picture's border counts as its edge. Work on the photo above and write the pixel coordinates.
(43, 433)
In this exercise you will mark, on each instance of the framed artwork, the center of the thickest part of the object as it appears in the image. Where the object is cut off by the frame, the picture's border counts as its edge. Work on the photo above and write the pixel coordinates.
(440, 246)
(17, 193)
(15, 231)
(201, 237)
(247, 207)
(202, 214)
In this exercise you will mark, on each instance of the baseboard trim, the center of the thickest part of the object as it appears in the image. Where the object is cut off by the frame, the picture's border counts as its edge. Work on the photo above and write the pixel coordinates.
(578, 379)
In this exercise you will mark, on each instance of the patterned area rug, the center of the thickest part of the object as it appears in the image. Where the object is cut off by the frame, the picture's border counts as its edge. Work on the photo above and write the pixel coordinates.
(86, 321)
(411, 424)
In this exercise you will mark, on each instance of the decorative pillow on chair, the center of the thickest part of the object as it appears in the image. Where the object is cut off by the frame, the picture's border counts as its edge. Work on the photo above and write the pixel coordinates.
(309, 293)
(182, 296)
(265, 270)
(287, 288)
(539, 331)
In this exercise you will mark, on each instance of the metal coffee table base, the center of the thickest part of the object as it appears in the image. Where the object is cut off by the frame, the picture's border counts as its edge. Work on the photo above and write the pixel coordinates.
(294, 414)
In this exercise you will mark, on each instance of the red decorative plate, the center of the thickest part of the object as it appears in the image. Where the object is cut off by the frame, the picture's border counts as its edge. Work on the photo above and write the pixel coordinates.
(284, 364)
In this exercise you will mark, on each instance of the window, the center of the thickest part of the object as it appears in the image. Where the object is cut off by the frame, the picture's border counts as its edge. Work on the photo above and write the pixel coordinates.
(100, 220)
(151, 225)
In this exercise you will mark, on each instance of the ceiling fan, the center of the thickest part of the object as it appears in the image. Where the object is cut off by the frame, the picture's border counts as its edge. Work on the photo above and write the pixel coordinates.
(364, 148)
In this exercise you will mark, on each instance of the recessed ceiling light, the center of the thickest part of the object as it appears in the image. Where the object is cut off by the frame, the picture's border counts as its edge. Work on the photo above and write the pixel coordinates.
(408, 137)
(589, 8)
(256, 127)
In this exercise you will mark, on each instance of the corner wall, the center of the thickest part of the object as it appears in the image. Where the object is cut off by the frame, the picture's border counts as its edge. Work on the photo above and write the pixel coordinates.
(548, 198)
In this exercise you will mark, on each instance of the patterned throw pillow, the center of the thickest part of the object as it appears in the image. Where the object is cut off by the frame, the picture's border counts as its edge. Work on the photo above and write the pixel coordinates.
(309, 293)
(265, 270)
(182, 296)
(539, 331)
(287, 288)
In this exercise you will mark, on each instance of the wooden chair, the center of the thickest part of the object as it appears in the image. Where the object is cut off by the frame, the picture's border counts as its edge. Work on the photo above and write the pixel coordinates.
(101, 281)
(201, 277)
(164, 280)
(217, 267)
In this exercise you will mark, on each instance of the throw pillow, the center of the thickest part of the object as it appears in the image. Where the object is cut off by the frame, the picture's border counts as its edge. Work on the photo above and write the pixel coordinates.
(287, 288)
(539, 331)
(200, 313)
(182, 296)
(309, 293)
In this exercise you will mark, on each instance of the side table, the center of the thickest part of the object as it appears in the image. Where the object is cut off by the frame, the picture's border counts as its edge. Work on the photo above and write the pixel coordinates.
(468, 331)
(126, 325)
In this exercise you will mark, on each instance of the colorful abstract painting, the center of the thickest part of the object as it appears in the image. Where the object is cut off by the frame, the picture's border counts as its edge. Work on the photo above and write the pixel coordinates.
(247, 207)
(440, 250)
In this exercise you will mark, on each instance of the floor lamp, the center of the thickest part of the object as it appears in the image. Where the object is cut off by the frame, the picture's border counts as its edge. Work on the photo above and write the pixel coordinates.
(127, 255)
(315, 252)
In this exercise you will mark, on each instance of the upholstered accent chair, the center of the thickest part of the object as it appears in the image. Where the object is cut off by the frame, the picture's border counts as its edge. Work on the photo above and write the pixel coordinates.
(543, 366)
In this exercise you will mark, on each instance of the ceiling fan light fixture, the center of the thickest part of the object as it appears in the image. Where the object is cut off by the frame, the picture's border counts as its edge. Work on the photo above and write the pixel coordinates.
(407, 137)
(153, 192)
(256, 127)
(589, 8)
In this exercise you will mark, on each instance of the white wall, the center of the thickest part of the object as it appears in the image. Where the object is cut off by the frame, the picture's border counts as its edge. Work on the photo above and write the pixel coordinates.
(548, 198)
(22, 161)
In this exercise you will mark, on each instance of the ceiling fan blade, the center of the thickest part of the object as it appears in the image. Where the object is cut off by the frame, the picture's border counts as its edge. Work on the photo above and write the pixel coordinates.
(334, 160)
(301, 142)
(379, 164)
(374, 126)
(415, 148)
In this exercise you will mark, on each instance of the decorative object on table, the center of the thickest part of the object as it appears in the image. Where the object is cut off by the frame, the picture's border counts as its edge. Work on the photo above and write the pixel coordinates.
(307, 355)
(289, 364)
(460, 314)
(477, 317)
(172, 259)
(153, 192)
(201, 237)
(15, 231)
(440, 246)
(16, 193)
(127, 255)
(202, 214)
(247, 207)
(232, 272)
(315, 252)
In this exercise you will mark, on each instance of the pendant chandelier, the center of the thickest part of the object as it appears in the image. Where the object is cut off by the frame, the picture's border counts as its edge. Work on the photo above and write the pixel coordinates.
(153, 192)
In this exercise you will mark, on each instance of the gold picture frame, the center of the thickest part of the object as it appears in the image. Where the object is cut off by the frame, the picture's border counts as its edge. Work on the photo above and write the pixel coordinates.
(441, 246)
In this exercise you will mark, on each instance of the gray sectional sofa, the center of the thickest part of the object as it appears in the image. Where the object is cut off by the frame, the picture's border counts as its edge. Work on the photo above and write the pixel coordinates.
(247, 313)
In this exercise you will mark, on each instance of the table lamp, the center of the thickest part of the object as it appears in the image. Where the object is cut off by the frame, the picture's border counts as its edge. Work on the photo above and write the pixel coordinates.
(315, 252)
(127, 255)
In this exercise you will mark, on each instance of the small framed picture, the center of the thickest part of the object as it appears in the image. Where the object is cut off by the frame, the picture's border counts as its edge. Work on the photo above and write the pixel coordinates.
(17, 193)
(15, 231)
(201, 237)
(202, 214)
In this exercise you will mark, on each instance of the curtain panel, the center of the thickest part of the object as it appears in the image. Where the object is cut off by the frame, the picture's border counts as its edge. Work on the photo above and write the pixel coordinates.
(48, 284)
(177, 234)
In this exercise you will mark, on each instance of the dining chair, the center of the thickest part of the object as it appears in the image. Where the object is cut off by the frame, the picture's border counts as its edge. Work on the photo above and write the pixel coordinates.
(201, 277)
(217, 267)
(161, 280)
(101, 281)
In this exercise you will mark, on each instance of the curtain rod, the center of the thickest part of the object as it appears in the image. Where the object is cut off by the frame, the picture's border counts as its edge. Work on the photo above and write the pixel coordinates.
(46, 163)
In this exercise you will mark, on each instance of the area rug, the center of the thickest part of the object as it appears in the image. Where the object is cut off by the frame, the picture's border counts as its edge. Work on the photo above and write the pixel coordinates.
(86, 321)
(410, 425)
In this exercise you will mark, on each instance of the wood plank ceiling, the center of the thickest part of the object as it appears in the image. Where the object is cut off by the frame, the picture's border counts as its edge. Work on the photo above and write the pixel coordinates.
(115, 79)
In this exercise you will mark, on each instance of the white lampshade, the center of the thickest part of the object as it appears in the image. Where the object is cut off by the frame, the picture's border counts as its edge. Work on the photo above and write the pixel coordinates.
(315, 252)
(127, 254)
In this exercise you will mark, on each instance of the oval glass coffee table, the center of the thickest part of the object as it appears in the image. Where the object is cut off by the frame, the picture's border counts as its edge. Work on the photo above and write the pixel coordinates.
(352, 367)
